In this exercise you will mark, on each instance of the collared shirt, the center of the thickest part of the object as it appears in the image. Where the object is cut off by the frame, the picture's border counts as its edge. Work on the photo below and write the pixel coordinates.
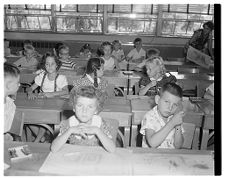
(91, 140)
(9, 111)
(153, 120)
(24, 62)
(136, 55)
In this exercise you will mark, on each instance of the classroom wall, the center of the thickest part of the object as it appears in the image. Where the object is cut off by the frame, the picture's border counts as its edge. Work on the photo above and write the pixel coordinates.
(170, 47)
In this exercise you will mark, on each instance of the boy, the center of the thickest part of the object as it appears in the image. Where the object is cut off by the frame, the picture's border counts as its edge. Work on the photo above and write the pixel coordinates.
(11, 85)
(137, 54)
(30, 58)
(65, 59)
(161, 126)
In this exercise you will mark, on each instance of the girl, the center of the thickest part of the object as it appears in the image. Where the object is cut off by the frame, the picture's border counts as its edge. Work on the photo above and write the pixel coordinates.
(85, 127)
(155, 78)
(86, 51)
(51, 84)
(92, 76)
(118, 51)
(110, 62)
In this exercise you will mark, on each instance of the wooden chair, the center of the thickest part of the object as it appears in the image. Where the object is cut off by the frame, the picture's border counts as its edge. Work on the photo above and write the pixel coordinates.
(208, 126)
(115, 91)
(17, 126)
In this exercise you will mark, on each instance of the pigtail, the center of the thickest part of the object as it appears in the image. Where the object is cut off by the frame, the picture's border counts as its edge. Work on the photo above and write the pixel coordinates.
(95, 76)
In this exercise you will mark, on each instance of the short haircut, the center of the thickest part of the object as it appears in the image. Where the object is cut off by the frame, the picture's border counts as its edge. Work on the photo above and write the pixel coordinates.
(116, 41)
(152, 52)
(172, 88)
(27, 42)
(63, 47)
(43, 61)
(209, 24)
(88, 92)
(29, 47)
(11, 70)
(106, 43)
(137, 40)
(86, 46)
(57, 46)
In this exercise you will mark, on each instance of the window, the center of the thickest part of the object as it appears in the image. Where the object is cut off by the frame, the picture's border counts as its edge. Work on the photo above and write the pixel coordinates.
(28, 17)
(79, 18)
(143, 19)
(184, 19)
(140, 19)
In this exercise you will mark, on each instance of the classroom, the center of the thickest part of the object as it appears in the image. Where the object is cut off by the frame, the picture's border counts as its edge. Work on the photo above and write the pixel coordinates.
(110, 89)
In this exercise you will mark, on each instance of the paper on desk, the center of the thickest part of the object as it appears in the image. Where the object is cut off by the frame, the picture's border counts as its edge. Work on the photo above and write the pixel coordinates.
(86, 160)
(172, 164)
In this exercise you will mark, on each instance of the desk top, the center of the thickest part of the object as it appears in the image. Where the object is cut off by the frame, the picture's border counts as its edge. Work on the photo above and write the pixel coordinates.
(83, 160)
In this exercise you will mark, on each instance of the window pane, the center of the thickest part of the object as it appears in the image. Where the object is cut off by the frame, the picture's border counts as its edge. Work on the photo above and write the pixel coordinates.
(168, 27)
(122, 8)
(180, 28)
(66, 24)
(142, 8)
(45, 23)
(33, 22)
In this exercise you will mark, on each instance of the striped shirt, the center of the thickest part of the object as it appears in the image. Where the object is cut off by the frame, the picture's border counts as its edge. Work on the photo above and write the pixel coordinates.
(68, 65)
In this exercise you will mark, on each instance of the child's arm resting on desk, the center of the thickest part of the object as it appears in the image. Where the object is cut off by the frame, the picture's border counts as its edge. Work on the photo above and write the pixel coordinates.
(107, 143)
(30, 90)
(65, 133)
(154, 139)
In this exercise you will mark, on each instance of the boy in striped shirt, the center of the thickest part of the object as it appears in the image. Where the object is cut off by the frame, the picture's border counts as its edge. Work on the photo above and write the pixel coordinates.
(65, 58)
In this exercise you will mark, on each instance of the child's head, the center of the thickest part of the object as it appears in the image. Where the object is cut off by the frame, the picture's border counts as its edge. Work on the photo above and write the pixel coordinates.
(137, 43)
(6, 43)
(11, 78)
(152, 52)
(64, 52)
(117, 45)
(86, 103)
(50, 63)
(106, 48)
(29, 51)
(86, 49)
(169, 100)
(95, 68)
(56, 48)
(27, 42)
(155, 67)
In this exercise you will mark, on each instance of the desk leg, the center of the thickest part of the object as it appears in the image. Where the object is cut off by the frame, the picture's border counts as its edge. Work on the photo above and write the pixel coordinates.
(126, 136)
(204, 141)
(134, 133)
(196, 142)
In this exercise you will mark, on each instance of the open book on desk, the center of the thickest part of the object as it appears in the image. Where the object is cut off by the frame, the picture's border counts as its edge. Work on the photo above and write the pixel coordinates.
(86, 160)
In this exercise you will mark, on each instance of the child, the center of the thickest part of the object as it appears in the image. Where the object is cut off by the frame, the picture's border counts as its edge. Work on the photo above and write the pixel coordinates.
(137, 54)
(118, 51)
(30, 58)
(11, 85)
(150, 53)
(65, 58)
(7, 51)
(51, 84)
(156, 77)
(28, 43)
(161, 126)
(92, 76)
(110, 62)
(56, 49)
(86, 51)
(85, 127)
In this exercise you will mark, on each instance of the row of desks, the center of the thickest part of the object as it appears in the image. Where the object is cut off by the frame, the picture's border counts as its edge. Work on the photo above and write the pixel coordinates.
(129, 112)
(86, 161)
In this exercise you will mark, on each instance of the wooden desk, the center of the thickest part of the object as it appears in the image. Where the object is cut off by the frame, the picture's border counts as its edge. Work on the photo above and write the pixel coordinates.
(40, 111)
(91, 160)
(53, 110)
